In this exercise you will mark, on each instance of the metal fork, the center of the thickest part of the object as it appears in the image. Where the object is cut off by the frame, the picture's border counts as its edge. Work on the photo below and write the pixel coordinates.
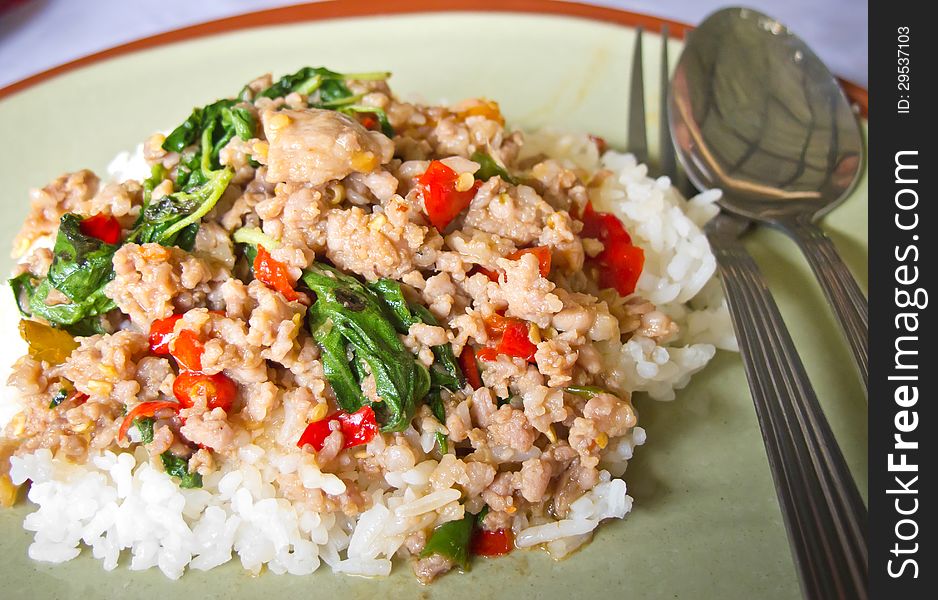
(824, 515)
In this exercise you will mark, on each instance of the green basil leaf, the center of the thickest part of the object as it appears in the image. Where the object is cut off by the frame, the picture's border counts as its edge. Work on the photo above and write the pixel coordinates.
(360, 320)
(81, 264)
(78, 318)
(173, 220)
(178, 467)
(23, 287)
(145, 427)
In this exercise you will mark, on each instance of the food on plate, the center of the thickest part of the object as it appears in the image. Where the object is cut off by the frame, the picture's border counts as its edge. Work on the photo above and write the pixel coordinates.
(316, 323)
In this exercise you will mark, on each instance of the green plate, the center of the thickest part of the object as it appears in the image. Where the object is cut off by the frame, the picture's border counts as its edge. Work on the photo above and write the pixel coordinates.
(706, 523)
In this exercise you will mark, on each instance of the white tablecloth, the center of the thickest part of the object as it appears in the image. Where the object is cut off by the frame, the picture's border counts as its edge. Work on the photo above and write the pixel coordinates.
(40, 34)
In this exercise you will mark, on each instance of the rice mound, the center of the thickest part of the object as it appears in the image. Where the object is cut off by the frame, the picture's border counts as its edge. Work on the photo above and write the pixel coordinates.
(119, 504)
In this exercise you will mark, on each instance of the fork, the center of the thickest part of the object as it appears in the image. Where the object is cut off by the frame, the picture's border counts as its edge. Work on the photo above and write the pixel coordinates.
(824, 515)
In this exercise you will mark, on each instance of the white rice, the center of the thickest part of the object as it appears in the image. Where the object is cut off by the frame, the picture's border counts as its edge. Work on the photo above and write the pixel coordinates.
(120, 504)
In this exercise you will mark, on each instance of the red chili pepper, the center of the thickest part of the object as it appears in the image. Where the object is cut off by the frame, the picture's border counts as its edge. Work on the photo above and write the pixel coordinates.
(620, 263)
(543, 257)
(104, 227)
(441, 200)
(218, 390)
(493, 275)
(487, 354)
(357, 428)
(368, 121)
(515, 338)
(496, 323)
(516, 342)
(493, 543)
(620, 266)
(274, 274)
(161, 334)
(144, 409)
(467, 360)
(187, 349)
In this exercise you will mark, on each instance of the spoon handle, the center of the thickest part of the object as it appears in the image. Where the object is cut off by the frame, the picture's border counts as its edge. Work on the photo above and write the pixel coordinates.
(839, 285)
(822, 509)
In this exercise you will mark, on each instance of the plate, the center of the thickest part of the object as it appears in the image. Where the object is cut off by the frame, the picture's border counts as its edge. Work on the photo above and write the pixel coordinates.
(706, 523)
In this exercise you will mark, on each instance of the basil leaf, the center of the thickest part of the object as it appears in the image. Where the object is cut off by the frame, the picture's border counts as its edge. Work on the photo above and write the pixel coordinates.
(435, 402)
(81, 264)
(145, 427)
(208, 129)
(173, 220)
(157, 175)
(80, 318)
(23, 287)
(445, 371)
(360, 325)
(178, 467)
(335, 361)
(330, 85)
(328, 90)
(184, 134)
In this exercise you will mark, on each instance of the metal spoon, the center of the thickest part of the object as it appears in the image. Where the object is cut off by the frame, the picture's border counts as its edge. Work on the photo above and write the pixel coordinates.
(756, 113)
(821, 507)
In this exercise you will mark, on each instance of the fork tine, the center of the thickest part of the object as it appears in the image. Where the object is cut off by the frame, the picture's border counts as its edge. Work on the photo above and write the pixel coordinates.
(637, 140)
(667, 159)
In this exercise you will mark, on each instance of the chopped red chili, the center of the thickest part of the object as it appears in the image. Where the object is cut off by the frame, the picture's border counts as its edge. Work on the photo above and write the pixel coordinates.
(516, 341)
(369, 121)
(144, 409)
(620, 263)
(515, 338)
(493, 543)
(104, 227)
(442, 201)
(187, 349)
(487, 354)
(357, 428)
(493, 275)
(218, 390)
(161, 334)
(467, 360)
(496, 323)
(274, 274)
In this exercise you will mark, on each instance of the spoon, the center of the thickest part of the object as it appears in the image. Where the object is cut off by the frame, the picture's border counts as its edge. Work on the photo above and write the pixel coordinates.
(757, 114)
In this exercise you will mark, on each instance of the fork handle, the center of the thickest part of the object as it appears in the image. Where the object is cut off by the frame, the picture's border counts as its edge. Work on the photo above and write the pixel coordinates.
(839, 285)
(823, 512)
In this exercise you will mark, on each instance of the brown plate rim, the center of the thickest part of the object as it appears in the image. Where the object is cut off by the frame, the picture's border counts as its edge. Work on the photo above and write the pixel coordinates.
(337, 9)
